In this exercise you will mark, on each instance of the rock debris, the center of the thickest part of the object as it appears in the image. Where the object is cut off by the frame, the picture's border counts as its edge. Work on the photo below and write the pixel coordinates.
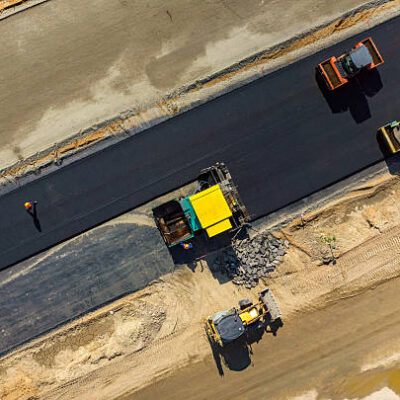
(250, 259)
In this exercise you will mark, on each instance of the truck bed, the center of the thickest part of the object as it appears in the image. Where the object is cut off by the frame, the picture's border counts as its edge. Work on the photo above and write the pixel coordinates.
(326, 66)
(376, 57)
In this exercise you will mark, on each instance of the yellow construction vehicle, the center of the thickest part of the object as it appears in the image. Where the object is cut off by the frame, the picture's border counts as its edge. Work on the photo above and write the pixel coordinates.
(228, 326)
(216, 207)
(389, 135)
(338, 71)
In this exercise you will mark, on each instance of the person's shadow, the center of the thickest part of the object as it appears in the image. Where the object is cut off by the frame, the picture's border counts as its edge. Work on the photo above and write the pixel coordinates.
(33, 213)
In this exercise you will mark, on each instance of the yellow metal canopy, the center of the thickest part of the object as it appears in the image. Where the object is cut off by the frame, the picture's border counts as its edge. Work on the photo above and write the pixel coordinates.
(219, 227)
(212, 210)
(248, 316)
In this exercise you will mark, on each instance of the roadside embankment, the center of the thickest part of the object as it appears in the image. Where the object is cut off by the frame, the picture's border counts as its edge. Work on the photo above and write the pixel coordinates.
(140, 76)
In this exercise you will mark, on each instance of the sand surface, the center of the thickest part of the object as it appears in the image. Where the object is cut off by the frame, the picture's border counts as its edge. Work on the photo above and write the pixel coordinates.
(319, 351)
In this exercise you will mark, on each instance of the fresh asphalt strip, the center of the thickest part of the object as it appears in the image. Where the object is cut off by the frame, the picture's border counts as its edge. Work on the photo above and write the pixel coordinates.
(281, 136)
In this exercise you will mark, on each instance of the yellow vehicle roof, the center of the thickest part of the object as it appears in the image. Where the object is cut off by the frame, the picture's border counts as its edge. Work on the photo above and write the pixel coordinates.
(219, 227)
(248, 316)
(212, 210)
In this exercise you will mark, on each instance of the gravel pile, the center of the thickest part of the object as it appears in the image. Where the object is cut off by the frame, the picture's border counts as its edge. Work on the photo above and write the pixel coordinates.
(248, 260)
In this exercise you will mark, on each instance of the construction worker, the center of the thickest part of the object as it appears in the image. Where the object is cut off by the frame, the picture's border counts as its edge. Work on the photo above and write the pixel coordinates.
(186, 246)
(28, 205)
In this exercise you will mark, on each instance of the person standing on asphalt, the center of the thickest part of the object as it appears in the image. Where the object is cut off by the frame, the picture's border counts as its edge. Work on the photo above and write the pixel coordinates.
(29, 206)
(186, 246)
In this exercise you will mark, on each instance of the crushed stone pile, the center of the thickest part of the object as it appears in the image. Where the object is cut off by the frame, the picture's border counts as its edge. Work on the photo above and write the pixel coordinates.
(250, 259)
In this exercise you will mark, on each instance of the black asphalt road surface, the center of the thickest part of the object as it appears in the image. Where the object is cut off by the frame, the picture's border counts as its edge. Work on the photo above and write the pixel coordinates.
(80, 275)
(281, 137)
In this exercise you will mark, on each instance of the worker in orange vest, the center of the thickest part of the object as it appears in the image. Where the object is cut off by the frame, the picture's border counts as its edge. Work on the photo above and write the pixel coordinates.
(28, 205)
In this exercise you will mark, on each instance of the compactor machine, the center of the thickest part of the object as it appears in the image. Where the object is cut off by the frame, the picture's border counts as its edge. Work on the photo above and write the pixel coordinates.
(337, 71)
(216, 207)
(389, 134)
(228, 326)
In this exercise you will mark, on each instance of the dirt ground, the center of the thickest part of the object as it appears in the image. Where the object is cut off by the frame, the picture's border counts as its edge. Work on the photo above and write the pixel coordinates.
(331, 339)
(348, 350)
(71, 65)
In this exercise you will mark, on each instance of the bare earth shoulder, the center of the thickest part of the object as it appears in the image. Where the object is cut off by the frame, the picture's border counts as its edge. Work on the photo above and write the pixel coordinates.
(74, 64)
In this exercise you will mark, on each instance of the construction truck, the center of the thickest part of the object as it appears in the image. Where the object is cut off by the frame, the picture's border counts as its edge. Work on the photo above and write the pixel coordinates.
(228, 326)
(389, 134)
(337, 71)
(215, 207)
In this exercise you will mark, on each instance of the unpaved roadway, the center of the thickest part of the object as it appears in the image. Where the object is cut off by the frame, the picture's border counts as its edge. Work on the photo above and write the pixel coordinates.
(66, 65)
(323, 351)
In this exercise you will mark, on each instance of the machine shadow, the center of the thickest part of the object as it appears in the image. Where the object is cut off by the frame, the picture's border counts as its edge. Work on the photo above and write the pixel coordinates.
(209, 251)
(370, 82)
(223, 262)
(236, 356)
(352, 96)
(393, 163)
(202, 247)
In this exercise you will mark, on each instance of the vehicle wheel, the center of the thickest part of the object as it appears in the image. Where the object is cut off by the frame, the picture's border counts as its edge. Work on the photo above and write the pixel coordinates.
(244, 303)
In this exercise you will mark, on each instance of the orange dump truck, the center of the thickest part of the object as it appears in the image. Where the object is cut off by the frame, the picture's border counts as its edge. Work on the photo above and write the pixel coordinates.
(337, 71)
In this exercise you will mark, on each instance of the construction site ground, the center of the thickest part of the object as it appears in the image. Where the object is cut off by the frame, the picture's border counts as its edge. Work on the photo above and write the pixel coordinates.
(85, 64)
(71, 67)
(340, 314)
